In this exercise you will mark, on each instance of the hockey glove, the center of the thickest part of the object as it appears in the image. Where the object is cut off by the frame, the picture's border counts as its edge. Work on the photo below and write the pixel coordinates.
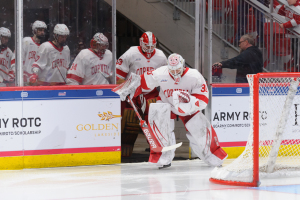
(217, 70)
(131, 87)
(184, 97)
(187, 104)
(33, 78)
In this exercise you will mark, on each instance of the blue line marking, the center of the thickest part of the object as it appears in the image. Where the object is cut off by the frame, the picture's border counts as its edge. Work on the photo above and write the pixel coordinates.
(293, 189)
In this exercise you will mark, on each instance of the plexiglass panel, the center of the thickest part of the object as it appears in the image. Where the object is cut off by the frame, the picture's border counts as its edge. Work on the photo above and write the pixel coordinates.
(56, 32)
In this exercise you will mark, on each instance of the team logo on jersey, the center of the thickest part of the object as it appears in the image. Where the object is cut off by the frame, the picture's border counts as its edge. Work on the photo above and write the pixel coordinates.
(164, 80)
(107, 116)
(33, 55)
(142, 70)
(59, 63)
(4, 62)
(138, 59)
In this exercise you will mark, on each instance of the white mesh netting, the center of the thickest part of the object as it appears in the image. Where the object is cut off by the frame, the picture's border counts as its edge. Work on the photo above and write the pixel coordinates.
(278, 123)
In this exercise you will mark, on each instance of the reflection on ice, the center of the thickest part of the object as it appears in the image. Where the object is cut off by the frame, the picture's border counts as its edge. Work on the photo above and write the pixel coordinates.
(184, 180)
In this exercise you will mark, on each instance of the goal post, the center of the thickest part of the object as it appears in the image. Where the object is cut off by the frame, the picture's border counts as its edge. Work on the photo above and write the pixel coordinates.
(273, 146)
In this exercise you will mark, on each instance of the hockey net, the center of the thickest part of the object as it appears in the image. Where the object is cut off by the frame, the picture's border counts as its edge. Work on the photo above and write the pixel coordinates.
(273, 146)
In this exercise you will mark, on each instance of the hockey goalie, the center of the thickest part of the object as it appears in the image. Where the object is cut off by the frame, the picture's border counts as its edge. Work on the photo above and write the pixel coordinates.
(183, 92)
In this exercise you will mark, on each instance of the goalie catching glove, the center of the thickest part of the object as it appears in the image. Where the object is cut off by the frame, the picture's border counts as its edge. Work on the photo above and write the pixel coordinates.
(185, 103)
(131, 87)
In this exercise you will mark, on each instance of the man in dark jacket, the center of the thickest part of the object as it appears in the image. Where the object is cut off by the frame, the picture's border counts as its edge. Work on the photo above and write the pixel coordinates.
(249, 61)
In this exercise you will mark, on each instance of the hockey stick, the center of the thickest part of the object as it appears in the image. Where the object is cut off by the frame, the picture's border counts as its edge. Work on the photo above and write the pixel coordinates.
(106, 78)
(6, 73)
(61, 74)
(149, 134)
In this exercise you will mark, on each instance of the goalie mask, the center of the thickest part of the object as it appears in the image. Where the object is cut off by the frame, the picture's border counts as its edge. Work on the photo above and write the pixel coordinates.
(39, 25)
(148, 42)
(176, 65)
(4, 32)
(99, 43)
(61, 30)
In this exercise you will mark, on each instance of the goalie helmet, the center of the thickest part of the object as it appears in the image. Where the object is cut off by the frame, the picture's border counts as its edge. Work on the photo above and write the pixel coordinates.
(61, 29)
(148, 42)
(6, 33)
(175, 65)
(99, 38)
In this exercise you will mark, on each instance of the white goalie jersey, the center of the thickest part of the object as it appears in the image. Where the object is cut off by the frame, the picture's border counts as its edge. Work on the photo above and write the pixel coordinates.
(135, 61)
(90, 69)
(29, 56)
(53, 63)
(5, 63)
(191, 81)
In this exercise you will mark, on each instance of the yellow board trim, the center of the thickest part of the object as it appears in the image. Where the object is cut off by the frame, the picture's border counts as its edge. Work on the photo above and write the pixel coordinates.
(284, 150)
(60, 160)
(233, 152)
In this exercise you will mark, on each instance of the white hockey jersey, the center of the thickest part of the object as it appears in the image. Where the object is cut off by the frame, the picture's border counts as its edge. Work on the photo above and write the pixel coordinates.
(292, 17)
(134, 60)
(90, 69)
(29, 56)
(191, 81)
(53, 63)
(5, 63)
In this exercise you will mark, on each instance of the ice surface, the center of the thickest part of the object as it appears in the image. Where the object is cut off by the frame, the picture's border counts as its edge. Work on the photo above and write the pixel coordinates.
(183, 180)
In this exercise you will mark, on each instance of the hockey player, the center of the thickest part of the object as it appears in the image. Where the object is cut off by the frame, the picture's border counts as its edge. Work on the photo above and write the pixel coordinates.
(138, 60)
(92, 66)
(7, 74)
(52, 59)
(141, 59)
(30, 47)
(185, 91)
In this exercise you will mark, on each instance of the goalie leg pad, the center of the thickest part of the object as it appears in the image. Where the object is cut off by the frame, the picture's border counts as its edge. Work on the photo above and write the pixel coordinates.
(162, 127)
(204, 140)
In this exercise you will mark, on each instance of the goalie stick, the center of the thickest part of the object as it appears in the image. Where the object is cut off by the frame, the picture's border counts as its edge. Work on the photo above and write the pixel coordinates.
(149, 134)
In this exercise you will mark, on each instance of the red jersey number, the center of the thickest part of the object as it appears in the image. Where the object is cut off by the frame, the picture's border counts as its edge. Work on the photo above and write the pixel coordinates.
(119, 62)
(203, 88)
(74, 66)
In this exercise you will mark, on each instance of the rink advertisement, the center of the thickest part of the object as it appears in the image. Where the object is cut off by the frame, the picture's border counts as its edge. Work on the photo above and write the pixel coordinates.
(230, 116)
(70, 126)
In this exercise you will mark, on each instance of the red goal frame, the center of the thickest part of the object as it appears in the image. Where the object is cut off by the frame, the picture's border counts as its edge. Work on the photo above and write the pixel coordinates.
(255, 182)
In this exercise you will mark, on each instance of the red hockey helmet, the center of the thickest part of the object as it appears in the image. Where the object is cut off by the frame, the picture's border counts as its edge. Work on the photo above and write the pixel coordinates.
(99, 38)
(148, 42)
